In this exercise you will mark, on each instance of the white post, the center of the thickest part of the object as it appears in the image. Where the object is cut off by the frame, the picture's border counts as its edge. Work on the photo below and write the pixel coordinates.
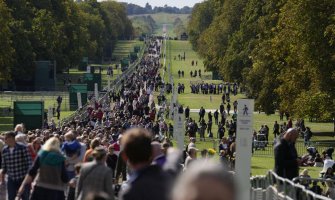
(88, 69)
(96, 92)
(245, 109)
(109, 83)
(178, 131)
(79, 100)
(50, 114)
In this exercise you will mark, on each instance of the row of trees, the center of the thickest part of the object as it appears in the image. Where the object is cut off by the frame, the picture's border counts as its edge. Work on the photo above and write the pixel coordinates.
(133, 9)
(143, 24)
(282, 51)
(179, 27)
(64, 31)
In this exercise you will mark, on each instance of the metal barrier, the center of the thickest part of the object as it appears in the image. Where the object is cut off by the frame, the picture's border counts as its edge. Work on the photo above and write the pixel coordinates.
(268, 150)
(49, 97)
(263, 148)
(275, 187)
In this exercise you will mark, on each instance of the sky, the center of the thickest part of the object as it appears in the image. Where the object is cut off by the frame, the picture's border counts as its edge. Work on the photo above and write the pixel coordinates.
(153, 3)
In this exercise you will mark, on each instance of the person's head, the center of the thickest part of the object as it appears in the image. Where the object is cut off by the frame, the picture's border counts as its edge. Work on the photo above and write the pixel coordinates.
(204, 180)
(99, 154)
(304, 172)
(137, 148)
(192, 139)
(291, 135)
(192, 152)
(69, 136)
(94, 143)
(97, 196)
(52, 144)
(156, 149)
(21, 138)
(19, 128)
(329, 170)
(111, 149)
(10, 138)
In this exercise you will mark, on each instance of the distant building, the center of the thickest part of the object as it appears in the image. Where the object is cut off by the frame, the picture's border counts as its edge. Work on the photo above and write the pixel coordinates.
(184, 36)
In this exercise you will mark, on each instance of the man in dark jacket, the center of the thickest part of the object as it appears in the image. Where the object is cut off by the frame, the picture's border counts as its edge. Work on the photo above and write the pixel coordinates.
(137, 152)
(187, 112)
(286, 156)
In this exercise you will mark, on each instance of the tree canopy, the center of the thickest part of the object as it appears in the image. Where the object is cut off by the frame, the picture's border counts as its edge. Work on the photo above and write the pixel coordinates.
(61, 31)
(281, 51)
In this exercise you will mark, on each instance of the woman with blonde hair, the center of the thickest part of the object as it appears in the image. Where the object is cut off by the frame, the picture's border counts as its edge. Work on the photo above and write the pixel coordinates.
(49, 172)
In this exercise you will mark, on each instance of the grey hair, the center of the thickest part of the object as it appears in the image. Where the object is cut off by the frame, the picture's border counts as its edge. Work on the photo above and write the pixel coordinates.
(202, 169)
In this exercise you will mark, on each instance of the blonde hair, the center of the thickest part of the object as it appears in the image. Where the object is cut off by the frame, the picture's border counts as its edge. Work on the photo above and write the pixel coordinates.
(19, 127)
(52, 144)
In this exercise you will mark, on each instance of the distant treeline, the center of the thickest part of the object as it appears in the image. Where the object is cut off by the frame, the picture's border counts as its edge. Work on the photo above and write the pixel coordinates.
(62, 31)
(281, 51)
(143, 25)
(133, 9)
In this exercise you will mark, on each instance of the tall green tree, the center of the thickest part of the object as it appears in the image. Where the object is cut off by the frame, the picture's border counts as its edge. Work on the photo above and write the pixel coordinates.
(6, 50)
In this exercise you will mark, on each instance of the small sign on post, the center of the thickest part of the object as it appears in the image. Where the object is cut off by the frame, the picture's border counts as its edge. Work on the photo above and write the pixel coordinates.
(178, 131)
(50, 114)
(96, 92)
(245, 111)
(109, 83)
(79, 100)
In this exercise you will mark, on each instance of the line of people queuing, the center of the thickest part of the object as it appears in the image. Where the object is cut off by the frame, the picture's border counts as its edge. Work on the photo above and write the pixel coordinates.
(211, 88)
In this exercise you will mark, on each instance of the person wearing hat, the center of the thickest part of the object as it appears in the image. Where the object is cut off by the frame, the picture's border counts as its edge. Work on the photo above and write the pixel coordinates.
(95, 177)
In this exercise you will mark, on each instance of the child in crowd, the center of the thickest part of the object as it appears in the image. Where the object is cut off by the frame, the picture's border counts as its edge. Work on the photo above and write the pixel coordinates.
(111, 159)
(73, 183)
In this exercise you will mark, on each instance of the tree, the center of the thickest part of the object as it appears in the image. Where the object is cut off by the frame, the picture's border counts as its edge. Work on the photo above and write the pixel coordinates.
(6, 50)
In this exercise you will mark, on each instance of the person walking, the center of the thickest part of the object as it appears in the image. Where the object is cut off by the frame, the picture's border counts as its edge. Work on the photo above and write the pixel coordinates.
(137, 151)
(276, 129)
(187, 112)
(95, 177)
(48, 173)
(216, 117)
(286, 156)
(16, 161)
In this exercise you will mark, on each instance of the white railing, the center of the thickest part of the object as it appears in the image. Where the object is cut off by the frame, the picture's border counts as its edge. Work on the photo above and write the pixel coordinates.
(274, 187)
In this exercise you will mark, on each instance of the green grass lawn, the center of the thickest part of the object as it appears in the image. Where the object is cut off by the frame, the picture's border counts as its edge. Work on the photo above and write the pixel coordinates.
(260, 164)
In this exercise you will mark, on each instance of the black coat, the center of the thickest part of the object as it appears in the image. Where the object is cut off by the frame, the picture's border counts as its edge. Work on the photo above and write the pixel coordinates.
(151, 183)
(286, 164)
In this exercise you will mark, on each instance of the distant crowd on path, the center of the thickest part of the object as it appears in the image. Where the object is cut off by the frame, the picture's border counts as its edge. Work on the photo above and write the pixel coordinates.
(120, 138)
(211, 88)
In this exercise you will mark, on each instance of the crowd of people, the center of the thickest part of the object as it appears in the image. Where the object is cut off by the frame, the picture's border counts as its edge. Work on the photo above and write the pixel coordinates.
(117, 148)
(210, 88)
